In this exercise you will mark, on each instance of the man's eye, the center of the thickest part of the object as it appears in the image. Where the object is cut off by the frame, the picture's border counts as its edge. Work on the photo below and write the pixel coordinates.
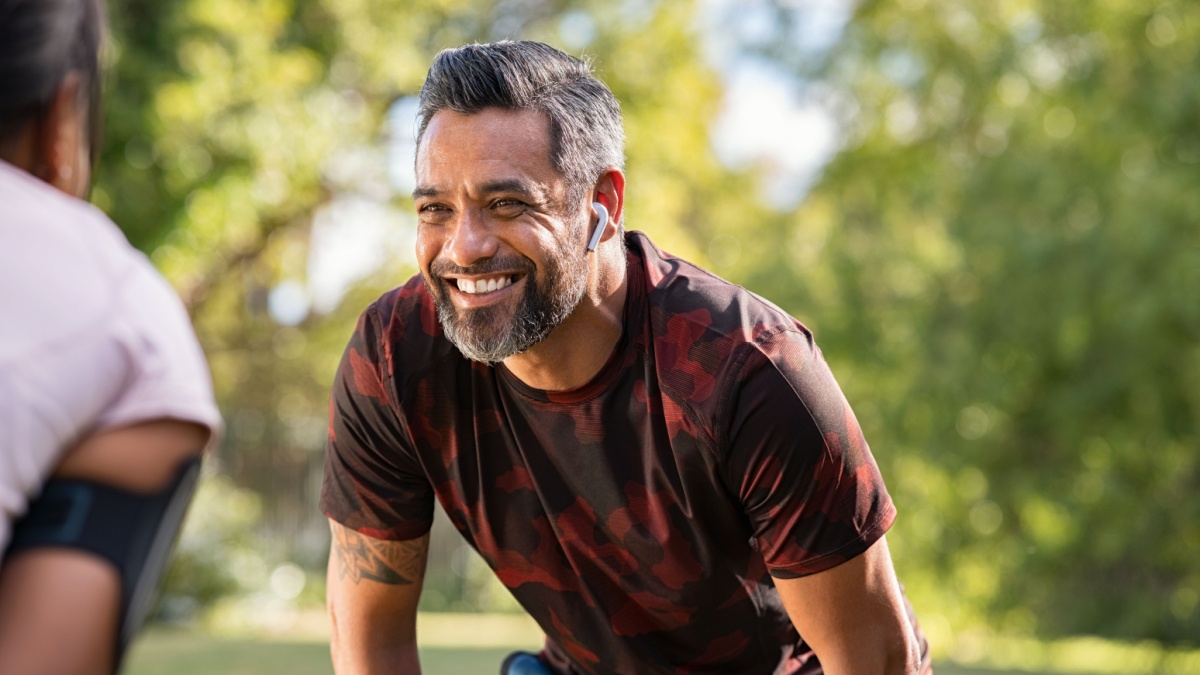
(432, 210)
(508, 205)
(434, 214)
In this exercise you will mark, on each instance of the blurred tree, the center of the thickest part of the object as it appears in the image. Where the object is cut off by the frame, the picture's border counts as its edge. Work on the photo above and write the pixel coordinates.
(1003, 263)
(246, 139)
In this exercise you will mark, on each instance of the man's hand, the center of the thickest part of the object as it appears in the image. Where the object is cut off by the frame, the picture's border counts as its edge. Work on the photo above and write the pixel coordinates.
(373, 590)
(853, 616)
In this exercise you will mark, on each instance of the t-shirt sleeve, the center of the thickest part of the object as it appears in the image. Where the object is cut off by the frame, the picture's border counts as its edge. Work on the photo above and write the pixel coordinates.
(799, 463)
(166, 373)
(373, 483)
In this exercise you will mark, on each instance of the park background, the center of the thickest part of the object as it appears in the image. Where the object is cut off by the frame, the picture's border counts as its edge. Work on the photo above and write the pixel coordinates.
(986, 212)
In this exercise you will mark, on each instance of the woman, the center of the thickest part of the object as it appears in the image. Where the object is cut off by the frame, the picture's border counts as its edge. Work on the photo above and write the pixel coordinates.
(103, 387)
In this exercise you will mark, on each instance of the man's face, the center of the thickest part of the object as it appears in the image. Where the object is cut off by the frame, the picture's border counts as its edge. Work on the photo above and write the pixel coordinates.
(500, 244)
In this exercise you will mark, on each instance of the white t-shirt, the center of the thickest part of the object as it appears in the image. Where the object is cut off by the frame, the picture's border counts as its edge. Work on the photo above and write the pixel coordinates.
(91, 337)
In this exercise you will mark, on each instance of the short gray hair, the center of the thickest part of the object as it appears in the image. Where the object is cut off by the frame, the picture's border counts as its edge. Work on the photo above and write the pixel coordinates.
(586, 133)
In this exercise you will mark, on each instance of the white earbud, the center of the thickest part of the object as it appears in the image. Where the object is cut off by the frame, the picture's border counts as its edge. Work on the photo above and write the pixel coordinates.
(603, 222)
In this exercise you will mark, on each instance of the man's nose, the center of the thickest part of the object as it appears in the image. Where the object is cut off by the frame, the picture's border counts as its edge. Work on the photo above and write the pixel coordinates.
(474, 239)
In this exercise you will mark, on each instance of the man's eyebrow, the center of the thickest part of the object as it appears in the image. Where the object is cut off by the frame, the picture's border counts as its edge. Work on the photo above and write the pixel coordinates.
(530, 191)
(425, 192)
(512, 185)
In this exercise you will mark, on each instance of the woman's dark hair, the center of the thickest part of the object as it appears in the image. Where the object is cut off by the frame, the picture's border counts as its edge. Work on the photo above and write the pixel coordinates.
(586, 134)
(41, 41)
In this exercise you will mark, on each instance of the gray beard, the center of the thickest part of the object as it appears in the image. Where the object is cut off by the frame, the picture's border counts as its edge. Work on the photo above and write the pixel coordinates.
(549, 298)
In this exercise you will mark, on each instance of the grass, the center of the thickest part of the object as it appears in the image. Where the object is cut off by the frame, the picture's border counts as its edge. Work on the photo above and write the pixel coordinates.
(177, 653)
(303, 649)
(188, 653)
(468, 644)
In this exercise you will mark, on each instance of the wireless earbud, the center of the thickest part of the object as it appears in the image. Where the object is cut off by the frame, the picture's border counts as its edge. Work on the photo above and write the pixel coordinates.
(602, 212)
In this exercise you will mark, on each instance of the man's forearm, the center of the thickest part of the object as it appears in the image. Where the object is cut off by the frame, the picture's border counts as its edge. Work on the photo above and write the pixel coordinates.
(363, 645)
(373, 590)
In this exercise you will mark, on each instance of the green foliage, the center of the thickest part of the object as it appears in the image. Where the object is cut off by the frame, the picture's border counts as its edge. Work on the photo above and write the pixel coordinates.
(1003, 264)
(217, 553)
(192, 654)
(233, 127)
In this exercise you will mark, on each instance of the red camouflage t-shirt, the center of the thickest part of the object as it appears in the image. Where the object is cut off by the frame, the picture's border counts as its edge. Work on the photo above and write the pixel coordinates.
(640, 518)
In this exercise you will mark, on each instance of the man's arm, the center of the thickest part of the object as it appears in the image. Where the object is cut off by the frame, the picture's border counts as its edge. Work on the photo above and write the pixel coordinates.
(60, 608)
(853, 616)
(373, 587)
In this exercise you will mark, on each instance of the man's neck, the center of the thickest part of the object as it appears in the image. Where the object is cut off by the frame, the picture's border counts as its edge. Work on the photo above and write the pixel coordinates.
(580, 346)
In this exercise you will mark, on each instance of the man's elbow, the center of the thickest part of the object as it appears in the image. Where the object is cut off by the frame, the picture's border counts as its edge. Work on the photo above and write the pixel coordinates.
(904, 654)
(336, 640)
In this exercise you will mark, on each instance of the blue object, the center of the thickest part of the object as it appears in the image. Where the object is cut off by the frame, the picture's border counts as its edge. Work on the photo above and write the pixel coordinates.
(523, 663)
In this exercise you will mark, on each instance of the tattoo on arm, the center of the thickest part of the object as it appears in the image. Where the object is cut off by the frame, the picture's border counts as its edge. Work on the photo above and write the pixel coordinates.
(397, 563)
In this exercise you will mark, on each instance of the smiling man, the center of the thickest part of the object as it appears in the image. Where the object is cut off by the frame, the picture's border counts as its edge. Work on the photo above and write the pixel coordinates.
(657, 463)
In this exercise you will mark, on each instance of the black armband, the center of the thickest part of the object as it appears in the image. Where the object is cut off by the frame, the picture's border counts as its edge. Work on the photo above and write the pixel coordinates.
(133, 531)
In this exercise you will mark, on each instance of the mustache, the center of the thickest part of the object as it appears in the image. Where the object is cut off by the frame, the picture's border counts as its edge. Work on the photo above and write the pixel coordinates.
(513, 263)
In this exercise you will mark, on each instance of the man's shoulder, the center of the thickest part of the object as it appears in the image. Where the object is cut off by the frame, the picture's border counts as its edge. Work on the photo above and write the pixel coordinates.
(687, 301)
(706, 336)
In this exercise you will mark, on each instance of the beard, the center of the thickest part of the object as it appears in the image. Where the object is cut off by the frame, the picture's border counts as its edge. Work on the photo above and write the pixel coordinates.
(492, 334)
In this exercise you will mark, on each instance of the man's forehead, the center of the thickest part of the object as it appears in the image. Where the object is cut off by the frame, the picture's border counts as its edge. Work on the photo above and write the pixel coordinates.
(490, 125)
(501, 143)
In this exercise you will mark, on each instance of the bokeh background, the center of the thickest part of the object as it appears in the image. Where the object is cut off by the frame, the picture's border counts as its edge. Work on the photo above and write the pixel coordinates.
(986, 211)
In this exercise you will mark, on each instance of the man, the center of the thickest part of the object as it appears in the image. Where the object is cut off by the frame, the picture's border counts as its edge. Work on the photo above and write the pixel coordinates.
(105, 398)
(657, 463)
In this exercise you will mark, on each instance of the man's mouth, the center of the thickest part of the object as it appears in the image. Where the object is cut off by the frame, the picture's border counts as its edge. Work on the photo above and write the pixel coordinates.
(485, 284)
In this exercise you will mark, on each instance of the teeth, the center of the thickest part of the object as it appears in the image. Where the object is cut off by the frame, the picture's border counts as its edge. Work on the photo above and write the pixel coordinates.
(483, 285)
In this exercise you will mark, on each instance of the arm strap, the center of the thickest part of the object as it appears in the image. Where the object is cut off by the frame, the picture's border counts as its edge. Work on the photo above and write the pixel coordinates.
(133, 531)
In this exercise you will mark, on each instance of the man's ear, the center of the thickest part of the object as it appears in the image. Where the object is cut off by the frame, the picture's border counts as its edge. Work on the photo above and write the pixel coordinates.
(610, 191)
(62, 142)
